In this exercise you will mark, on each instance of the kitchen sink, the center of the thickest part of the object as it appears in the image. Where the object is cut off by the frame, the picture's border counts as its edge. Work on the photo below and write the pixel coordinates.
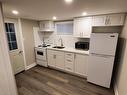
(59, 47)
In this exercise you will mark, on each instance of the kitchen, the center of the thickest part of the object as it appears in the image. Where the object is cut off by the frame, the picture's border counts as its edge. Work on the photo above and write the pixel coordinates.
(77, 59)
(81, 50)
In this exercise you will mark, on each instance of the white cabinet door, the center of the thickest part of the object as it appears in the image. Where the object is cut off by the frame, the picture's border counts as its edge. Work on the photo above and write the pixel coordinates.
(78, 27)
(109, 20)
(83, 27)
(81, 64)
(59, 60)
(55, 59)
(116, 19)
(87, 27)
(42, 25)
(99, 20)
(51, 58)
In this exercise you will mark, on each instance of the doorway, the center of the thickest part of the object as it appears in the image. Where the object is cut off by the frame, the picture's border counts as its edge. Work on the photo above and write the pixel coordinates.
(14, 44)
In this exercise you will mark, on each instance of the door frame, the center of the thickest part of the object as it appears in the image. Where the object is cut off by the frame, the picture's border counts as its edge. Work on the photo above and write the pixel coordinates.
(22, 42)
(8, 83)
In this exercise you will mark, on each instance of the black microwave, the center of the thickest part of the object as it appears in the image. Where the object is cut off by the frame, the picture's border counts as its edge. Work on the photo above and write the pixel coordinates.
(82, 45)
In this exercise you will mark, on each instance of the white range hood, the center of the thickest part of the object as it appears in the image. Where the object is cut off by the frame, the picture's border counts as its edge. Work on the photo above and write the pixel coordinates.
(46, 26)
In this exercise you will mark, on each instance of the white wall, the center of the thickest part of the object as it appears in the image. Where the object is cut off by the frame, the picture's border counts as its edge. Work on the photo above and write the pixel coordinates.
(28, 37)
(121, 80)
(7, 82)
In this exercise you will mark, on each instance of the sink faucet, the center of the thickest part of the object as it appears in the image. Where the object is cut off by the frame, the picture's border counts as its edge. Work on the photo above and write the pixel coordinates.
(61, 40)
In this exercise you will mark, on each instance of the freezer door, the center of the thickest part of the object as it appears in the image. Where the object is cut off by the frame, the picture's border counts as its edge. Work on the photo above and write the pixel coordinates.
(100, 69)
(103, 43)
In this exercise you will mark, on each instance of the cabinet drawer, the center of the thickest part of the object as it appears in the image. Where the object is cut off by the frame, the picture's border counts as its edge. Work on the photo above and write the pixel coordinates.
(69, 60)
(69, 69)
(69, 56)
(69, 66)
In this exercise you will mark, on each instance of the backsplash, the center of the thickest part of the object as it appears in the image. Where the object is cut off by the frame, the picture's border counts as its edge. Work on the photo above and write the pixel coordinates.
(53, 39)
(68, 40)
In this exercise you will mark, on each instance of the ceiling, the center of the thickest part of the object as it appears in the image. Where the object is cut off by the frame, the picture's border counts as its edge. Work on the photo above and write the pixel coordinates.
(46, 9)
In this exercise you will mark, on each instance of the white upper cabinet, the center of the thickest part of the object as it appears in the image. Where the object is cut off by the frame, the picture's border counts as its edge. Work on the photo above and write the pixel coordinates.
(116, 20)
(83, 27)
(46, 26)
(99, 21)
(109, 20)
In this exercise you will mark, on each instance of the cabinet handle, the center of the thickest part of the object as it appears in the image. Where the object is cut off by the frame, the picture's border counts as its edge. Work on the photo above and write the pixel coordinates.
(68, 68)
(80, 34)
(43, 25)
(74, 56)
(54, 56)
(109, 21)
(69, 54)
(106, 21)
(69, 60)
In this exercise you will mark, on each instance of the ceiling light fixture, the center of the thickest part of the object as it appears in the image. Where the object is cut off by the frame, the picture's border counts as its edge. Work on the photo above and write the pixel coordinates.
(84, 13)
(15, 12)
(54, 18)
(68, 1)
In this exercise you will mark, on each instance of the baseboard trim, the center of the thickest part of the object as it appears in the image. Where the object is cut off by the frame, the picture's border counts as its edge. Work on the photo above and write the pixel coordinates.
(31, 66)
(116, 89)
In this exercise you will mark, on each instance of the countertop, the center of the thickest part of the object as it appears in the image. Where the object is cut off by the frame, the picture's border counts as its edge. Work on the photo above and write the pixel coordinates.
(73, 50)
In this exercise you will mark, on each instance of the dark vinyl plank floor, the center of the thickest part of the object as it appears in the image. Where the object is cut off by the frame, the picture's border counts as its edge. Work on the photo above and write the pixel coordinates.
(45, 81)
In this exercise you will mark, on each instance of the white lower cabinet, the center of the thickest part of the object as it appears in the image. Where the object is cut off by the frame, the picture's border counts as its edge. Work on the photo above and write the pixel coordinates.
(59, 60)
(70, 62)
(81, 64)
(51, 58)
(55, 59)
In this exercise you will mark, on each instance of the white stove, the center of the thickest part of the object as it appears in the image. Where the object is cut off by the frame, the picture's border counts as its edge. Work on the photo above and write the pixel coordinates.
(41, 56)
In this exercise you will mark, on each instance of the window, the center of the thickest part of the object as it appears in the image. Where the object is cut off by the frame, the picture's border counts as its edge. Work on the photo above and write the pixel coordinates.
(64, 28)
(11, 36)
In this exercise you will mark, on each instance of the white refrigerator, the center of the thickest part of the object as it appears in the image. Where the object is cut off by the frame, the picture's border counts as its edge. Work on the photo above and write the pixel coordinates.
(101, 59)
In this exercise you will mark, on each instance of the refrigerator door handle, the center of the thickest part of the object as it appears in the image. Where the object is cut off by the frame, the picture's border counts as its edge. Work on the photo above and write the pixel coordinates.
(101, 55)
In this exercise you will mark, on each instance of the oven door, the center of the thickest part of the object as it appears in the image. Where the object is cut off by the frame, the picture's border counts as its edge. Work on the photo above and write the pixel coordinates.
(41, 54)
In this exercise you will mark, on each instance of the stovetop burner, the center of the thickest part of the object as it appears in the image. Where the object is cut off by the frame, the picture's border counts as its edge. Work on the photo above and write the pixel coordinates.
(44, 45)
